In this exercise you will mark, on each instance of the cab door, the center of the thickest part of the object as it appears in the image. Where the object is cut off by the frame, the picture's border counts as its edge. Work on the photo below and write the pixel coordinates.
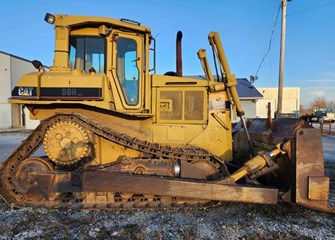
(127, 69)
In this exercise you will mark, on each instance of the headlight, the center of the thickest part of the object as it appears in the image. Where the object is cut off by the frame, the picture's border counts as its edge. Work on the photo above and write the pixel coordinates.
(49, 18)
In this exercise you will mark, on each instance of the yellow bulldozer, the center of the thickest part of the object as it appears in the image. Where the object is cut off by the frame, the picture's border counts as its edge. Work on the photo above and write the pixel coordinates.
(114, 134)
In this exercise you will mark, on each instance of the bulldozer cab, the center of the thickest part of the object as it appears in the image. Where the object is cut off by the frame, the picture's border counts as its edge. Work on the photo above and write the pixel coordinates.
(101, 60)
(117, 53)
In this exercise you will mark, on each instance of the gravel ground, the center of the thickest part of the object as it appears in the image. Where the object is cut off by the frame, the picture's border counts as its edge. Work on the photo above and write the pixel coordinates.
(225, 221)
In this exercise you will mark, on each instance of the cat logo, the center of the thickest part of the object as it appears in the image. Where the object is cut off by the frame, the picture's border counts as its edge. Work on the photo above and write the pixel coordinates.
(25, 91)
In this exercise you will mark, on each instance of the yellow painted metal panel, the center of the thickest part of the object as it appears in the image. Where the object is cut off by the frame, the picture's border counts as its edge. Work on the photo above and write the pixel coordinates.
(171, 81)
(66, 20)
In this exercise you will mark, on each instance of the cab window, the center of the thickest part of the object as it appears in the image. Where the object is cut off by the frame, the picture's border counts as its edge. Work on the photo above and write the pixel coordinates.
(87, 54)
(127, 70)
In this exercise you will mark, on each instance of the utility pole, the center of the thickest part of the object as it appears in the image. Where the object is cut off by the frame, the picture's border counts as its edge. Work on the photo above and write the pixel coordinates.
(282, 57)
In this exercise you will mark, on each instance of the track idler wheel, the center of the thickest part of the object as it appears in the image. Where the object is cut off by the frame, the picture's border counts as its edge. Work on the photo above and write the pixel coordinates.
(22, 179)
(66, 143)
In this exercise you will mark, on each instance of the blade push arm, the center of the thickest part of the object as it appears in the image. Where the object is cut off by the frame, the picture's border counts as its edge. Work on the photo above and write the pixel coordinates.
(257, 166)
(229, 80)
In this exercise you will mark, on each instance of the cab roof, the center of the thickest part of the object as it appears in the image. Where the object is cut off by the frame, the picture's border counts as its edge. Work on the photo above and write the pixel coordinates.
(74, 21)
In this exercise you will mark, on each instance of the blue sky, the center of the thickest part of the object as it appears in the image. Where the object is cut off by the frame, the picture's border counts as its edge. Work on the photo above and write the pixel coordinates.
(245, 28)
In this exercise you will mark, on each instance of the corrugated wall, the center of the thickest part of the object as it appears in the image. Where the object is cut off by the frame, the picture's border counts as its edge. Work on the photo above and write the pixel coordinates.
(12, 68)
(19, 67)
(5, 91)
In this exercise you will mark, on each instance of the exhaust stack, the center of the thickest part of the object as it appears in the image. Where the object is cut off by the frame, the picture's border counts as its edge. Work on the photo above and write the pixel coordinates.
(179, 64)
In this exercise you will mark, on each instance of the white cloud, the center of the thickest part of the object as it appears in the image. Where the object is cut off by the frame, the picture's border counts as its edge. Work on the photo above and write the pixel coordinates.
(328, 77)
(316, 93)
(321, 80)
(309, 93)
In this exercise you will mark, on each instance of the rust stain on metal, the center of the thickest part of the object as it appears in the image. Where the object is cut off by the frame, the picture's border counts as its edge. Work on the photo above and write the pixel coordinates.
(318, 188)
(113, 182)
(312, 187)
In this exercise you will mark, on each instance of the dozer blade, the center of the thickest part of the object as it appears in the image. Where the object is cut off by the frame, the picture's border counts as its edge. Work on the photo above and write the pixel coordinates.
(278, 131)
(312, 186)
(303, 144)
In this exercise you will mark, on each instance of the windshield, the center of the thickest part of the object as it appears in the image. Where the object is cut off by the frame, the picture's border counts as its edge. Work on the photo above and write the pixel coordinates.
(87, 54)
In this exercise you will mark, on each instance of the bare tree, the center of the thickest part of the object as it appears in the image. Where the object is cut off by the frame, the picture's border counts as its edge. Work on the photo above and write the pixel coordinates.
(305, 110)
(317, 102)
(320, 102)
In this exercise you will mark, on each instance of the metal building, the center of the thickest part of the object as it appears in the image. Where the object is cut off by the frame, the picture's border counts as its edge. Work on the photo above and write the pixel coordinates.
(249, 96)
(291, 102)
(11, 70)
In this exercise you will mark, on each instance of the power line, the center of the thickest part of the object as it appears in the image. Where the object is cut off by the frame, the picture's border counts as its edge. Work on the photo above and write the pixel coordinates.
(310, 9)
(270, 42)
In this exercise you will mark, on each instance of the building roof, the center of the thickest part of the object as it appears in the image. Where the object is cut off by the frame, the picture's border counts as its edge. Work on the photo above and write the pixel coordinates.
(20, 58)
(246, 90)
(14, 56)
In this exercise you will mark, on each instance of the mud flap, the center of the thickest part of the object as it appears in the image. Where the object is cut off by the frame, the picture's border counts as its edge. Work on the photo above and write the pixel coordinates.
(312, 186)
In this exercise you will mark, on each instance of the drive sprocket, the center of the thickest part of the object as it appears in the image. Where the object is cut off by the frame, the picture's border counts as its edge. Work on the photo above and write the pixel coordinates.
(66, 143)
